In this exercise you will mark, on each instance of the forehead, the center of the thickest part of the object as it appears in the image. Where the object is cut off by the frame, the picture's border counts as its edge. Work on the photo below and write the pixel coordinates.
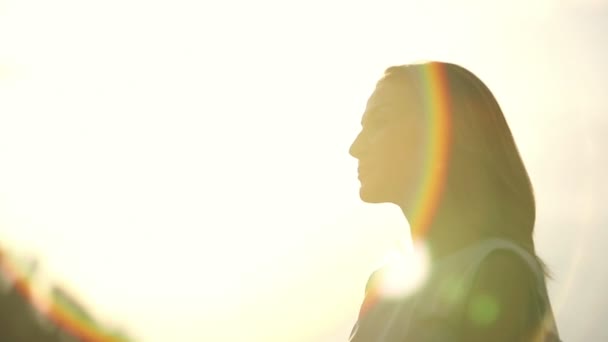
(388, 99)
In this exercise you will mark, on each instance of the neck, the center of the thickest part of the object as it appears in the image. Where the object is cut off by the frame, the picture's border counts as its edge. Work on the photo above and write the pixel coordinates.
(452, 227)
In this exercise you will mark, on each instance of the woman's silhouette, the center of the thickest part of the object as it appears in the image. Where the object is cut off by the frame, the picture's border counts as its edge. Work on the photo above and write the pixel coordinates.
(434, 142)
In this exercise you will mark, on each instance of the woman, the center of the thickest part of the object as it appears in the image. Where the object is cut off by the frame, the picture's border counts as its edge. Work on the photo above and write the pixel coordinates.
(434, 142)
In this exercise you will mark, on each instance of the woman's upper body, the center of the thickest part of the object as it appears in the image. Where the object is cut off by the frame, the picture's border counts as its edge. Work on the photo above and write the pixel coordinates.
(491, 291)
(434, 141)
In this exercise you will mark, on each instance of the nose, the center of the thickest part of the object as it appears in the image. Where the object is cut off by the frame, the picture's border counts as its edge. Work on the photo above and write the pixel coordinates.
(355, 147)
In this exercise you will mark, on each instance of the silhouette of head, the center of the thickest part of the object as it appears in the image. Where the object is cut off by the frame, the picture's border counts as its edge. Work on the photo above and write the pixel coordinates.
(388, 147)
(434, 137)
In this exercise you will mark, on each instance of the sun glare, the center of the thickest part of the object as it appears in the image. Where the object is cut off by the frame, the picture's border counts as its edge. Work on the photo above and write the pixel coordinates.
(404, 272)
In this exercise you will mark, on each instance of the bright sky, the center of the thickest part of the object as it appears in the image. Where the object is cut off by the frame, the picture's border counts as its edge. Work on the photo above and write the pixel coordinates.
(182, 165)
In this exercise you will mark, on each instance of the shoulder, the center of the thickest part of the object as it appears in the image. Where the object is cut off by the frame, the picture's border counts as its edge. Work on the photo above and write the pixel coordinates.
(500, 304)
(506, 278)
(505, 265)
(502, 264)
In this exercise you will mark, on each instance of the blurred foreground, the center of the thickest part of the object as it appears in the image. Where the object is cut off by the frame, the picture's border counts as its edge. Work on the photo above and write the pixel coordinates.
(33, 309)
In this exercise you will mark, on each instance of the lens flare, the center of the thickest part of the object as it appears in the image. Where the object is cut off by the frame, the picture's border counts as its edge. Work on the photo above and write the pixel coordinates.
(404, 273)
(439, 125)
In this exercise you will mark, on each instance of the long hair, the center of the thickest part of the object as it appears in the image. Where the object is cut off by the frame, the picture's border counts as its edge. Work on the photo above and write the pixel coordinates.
(481, 143)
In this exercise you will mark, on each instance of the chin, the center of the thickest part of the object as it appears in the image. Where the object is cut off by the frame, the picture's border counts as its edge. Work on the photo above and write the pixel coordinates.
(373, 195)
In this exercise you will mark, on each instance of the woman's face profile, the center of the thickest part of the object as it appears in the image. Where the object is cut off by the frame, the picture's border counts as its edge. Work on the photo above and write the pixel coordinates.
(389, 146)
